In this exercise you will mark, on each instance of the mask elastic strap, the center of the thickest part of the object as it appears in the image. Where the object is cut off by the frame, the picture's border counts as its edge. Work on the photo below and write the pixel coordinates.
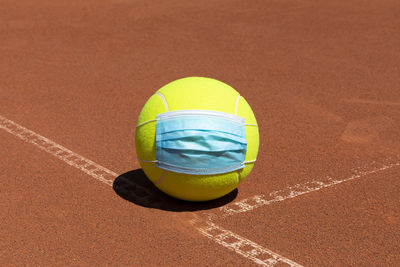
(143, 123)
(245, 162)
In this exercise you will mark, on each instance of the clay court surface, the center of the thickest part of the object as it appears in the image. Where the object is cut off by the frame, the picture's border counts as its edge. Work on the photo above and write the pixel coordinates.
(322, 77)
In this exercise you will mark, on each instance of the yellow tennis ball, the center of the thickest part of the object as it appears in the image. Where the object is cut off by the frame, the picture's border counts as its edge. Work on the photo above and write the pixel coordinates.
(193, 93)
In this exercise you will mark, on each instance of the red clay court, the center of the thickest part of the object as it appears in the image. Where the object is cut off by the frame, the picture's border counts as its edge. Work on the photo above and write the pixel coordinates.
(322, 78)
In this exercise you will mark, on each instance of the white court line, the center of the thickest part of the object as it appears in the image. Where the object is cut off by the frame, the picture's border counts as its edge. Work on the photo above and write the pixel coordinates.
(244, 247)
(89, 167)
(257, 253)
(257, 201)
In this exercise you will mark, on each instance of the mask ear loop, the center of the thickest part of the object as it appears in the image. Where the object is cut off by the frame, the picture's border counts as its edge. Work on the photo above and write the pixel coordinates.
(147, 160)
(166, 106)
(143, 123)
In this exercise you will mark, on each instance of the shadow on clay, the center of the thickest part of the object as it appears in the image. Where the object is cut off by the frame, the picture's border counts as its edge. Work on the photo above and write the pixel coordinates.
(135, 187)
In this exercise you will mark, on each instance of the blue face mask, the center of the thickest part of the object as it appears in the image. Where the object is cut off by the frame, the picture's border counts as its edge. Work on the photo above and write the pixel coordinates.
(200, 142)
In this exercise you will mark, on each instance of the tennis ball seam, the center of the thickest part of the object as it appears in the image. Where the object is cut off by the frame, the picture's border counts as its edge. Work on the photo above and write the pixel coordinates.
(159, 181)
(163, 99)
(237, 103)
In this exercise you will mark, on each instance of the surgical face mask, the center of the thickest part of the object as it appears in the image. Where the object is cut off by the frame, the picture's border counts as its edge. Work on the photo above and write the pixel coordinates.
(200, 142)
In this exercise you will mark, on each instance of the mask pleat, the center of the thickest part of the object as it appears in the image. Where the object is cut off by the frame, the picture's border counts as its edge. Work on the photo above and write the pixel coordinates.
(204, 143)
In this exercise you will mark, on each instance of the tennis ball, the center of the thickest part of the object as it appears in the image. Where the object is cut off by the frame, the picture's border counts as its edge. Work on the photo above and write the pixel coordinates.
(193, 93)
